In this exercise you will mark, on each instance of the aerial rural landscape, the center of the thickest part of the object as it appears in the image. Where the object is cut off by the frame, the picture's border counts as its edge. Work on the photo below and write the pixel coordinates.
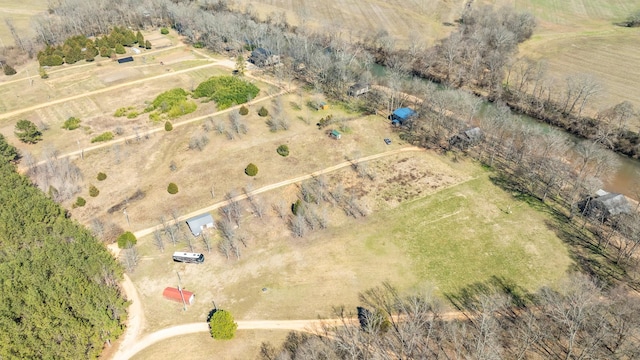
(289, 179)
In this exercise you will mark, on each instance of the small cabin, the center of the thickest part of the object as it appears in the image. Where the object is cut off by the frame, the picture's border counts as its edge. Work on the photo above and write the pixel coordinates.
(198, 223)
(323, 106)
(605, 205)
(358, 89)
(263, 57)
(401, 115)
(466, 138)
(335, 134)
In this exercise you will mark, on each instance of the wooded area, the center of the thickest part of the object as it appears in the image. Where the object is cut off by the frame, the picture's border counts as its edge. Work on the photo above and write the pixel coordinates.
(496, 320)
(59, 284)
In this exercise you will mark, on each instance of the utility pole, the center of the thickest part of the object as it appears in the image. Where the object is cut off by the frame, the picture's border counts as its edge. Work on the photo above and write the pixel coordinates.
(184, 304)
(124, 211)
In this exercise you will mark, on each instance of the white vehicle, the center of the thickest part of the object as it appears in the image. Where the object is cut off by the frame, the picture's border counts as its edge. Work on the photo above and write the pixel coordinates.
(185, 257)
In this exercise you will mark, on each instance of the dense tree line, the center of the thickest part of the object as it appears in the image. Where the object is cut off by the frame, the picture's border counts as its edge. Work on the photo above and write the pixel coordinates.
(494, 321)
(60, 285)
(79, 47)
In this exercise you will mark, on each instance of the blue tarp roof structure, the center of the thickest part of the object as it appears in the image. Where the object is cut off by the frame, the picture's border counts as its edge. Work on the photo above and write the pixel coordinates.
(403, 113)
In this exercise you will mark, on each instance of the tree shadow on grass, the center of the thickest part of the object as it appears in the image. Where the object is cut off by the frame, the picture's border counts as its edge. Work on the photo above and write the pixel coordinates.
(468, 297)
(588, 256)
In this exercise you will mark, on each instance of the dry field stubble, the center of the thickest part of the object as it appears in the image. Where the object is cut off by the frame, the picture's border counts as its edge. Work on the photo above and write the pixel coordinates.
(580, 36)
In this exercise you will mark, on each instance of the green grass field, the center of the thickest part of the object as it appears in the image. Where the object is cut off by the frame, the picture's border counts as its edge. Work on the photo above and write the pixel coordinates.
(472, 232)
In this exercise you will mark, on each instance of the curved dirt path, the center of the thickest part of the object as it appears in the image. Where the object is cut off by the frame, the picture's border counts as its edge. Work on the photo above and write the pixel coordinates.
(135, 318)
(125, 353)
(147, 231)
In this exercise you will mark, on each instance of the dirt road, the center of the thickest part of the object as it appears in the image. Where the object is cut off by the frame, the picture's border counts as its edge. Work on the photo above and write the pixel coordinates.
(135, 320)
(298, 325)
(144, 232)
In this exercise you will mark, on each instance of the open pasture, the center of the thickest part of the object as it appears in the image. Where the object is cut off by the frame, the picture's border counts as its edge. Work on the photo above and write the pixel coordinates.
(449, 234)
(20, 13)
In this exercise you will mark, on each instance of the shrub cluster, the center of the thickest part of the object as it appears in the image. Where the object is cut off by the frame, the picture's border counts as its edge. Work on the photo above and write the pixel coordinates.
(71, 123)
(173, 103)
(226, 91)
(80, 47)
(106, 136)
(126, 239)
(27, 132)
(80, 201)
(164, 31)
(8, 69)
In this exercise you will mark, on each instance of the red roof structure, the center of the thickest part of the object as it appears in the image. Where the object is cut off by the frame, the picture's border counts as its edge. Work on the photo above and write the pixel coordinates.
(174, 294)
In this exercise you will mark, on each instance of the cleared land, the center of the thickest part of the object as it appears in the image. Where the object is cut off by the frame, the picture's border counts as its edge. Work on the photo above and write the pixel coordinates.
(451, 234)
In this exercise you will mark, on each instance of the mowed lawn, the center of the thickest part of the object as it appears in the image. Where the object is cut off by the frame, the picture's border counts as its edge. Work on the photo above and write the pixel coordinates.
(470, 233)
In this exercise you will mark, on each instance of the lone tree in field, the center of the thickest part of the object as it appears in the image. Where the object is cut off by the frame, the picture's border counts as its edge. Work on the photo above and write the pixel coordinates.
(243, 110)
(168, 126)
(27, 132)
(263, 112)
(222, 325)
(251, 170)
(172, 188)
(101, 176)
(126, 240)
